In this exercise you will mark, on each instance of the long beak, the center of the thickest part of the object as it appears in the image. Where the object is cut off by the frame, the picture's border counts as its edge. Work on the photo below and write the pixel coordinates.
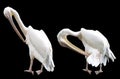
(75, 48)
(15, 29)
(8, 15)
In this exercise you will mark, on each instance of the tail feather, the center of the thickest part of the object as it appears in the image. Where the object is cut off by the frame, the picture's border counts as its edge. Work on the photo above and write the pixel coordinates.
(110, 54)
(49, 64)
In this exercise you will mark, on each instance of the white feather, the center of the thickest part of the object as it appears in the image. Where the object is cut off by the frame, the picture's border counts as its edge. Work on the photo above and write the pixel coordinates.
(41, 47)
(37, 41)
(97, 46)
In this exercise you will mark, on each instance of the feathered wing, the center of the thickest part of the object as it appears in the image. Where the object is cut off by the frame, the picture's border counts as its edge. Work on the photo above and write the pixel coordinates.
(41, 47)
(91, 42)
(107, 51)
(95, 43)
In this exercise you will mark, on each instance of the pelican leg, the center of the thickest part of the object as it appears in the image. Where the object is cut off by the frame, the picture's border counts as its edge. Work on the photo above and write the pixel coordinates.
(30, 67)
(99, 71)
(40, 71)
(86, 69)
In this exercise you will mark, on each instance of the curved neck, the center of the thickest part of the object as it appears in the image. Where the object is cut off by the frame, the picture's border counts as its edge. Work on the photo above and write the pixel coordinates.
(19, 21)
(72, 33)
(62, 39)
(9, 12)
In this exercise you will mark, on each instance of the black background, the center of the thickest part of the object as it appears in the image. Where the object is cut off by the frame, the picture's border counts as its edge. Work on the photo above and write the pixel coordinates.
(52, 17)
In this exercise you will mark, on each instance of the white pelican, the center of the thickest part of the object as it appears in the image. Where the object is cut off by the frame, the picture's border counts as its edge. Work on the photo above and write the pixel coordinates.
(39, 45)
(97, 48)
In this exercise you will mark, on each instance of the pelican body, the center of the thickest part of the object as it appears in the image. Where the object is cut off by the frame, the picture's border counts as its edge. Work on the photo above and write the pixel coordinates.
(39, 45)
(97, 48)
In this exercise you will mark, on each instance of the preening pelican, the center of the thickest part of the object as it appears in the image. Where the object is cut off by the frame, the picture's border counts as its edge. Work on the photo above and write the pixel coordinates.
(97, 48)
(39, 45)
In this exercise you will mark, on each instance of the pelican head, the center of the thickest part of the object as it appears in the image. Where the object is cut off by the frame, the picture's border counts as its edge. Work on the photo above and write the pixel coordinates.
(63, 41)
(8, 13)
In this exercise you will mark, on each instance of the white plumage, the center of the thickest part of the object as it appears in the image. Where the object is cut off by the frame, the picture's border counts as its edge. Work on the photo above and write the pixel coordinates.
(39, 45)
(97, 48)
